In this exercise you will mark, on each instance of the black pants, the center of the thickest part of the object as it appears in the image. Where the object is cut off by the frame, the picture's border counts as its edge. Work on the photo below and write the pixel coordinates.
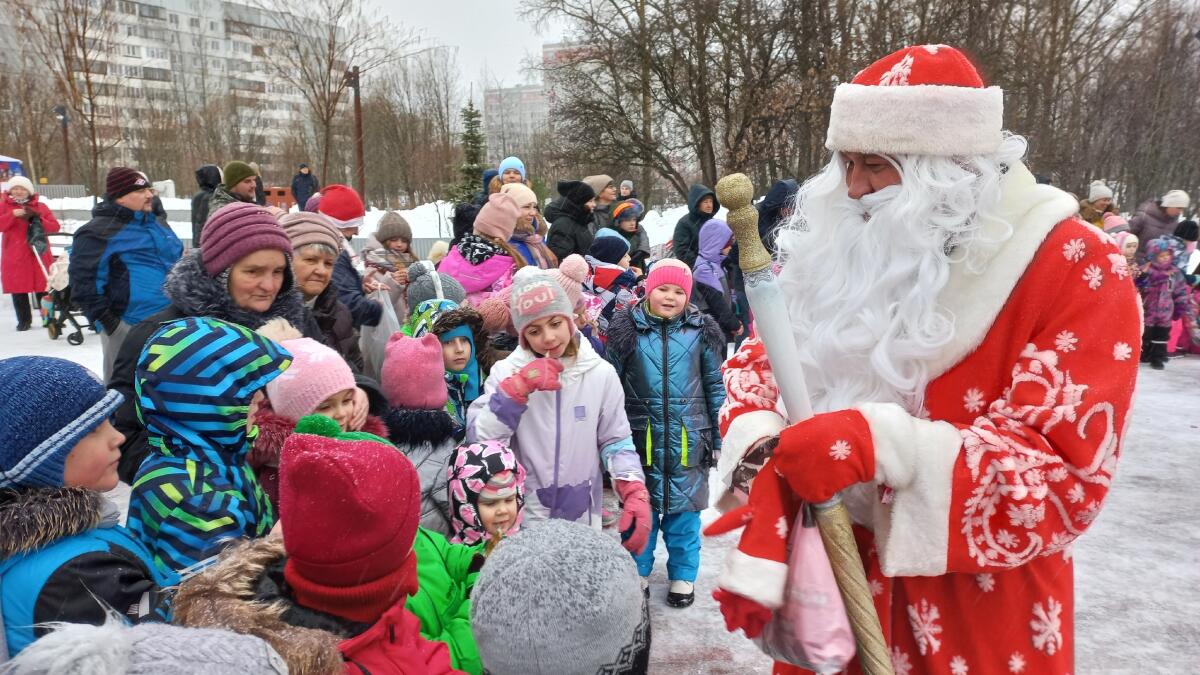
(1154, 344)
(21, 304)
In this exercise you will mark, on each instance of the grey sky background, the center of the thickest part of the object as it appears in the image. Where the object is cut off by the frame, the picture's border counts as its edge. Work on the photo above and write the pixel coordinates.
(494, 38)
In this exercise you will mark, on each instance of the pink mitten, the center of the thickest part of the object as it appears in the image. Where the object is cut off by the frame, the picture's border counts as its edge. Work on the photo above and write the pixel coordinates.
(538, 375)
(636, 514)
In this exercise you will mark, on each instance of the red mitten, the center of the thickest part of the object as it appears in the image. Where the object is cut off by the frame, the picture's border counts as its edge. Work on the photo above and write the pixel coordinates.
(825, 454)
(635, 514)
(540, 374)
(743, 613)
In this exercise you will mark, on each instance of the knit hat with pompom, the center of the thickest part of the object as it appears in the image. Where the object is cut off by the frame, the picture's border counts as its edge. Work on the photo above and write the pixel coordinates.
(570, 274)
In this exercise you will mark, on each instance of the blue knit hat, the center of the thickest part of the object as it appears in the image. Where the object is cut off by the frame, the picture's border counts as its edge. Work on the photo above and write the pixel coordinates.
(608, 246)
(512, 163)
(46, 407)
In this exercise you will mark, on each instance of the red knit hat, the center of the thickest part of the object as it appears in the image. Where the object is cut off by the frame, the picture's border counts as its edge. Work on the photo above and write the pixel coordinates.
(923, 100)
(121, 180)
(343, 205)
(670, 271)
(413, 374)
(236, 230)
(350, 504)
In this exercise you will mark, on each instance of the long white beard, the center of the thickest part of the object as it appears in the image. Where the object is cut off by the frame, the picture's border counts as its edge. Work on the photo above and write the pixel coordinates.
(863, 277)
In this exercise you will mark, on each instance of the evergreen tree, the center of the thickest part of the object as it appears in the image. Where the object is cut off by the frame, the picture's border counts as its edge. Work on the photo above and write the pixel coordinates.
(473, 146)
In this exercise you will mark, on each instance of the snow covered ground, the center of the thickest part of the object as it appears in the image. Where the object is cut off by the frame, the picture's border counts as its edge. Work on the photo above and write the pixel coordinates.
(1137, 572)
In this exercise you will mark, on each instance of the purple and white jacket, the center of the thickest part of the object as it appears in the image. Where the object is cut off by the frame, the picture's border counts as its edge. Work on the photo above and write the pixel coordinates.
(559, 435)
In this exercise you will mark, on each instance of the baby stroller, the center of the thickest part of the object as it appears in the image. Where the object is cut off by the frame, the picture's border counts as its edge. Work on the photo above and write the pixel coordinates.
(56, 305)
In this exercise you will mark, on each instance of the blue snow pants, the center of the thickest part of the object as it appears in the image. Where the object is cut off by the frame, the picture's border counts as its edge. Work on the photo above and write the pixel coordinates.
(681, 532)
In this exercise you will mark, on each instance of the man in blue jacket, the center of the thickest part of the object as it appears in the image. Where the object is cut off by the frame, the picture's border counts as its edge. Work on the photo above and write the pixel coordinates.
(119, 260)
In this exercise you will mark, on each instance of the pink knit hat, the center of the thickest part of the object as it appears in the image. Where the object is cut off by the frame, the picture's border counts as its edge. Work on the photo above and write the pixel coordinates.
(496, 315)
(670, 271)
(305, 228)
(413, 375)
(534, 295)
(317, 372)
(570, 274)
(235, 231)
(498, 217)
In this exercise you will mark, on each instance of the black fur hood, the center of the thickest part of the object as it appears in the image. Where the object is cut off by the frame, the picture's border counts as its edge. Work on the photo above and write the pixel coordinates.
(195, 293)
(413, 427)
(31, 518)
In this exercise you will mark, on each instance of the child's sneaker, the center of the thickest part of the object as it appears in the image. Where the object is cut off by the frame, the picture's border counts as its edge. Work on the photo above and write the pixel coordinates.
(682, 594)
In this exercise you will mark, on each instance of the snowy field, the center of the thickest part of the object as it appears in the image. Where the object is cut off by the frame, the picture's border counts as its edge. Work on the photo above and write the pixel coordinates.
(1137, 572)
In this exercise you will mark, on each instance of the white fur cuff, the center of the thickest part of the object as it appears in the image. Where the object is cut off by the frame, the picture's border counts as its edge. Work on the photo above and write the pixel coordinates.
(915, 458)
(744, 431)
(758, 579)
(916, 120)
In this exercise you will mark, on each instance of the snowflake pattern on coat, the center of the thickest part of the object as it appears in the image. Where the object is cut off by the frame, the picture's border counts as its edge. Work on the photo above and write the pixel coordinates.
(1040, 405)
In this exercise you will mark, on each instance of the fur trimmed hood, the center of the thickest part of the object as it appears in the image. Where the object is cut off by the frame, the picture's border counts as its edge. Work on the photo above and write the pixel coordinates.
(274, 429)
(195, 293)
(451, 319)
(626, 324)
(413, 427)
(225, 596)
(31, 518)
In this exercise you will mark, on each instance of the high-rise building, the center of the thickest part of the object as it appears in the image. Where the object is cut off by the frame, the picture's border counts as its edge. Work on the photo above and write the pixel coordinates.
(512, 116)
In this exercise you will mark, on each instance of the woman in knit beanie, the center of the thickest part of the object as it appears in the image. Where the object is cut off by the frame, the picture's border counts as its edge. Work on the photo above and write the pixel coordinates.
(529, 236)
(58, 453)
(483, 261)
(560, 407)
(242, 274)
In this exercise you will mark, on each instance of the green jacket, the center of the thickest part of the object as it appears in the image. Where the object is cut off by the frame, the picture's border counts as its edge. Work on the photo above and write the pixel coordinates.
(443, 603)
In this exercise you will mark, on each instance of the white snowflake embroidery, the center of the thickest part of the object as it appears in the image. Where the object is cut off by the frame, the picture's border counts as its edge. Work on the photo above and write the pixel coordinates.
(1047, 626)
(958, 666)
(1006, 539)
(876, 586)
(839, 450)
(1073, 250)
(1122, 351)
(1120, 266)
(1026, 515)
(924, 620)
(973, 400)
(986, 582)
(898, 74)
(1058, 474)
(1089, 513)
(1016, 663)
(781, 527)
(932, 49)
(1075, 494)
(900, 662)
(1094, 276)
(1065, 342)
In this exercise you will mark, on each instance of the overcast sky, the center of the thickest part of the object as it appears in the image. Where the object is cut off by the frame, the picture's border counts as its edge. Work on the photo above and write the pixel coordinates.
(493, 38)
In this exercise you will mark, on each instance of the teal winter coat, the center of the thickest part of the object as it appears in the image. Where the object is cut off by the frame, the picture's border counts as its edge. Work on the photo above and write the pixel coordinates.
(671, 372)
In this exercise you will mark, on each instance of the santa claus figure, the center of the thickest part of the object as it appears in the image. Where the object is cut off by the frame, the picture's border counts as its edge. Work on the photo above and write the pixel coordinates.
(971, 348)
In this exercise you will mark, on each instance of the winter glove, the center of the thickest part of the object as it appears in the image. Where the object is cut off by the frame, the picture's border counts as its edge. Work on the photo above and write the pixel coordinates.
(537, 375)
(635, 518)
(825, 454)
(742, 613)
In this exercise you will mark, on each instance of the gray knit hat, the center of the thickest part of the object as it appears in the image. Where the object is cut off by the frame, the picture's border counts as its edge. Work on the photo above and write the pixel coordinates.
(393, 226)
(560, 597)
(81, 649)
(424, 284)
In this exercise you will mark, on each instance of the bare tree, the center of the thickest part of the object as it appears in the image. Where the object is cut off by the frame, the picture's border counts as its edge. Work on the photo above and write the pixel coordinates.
(74, 38)
(317, 42)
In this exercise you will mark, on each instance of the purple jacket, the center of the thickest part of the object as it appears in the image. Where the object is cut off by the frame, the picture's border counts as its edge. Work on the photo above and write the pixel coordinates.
(1165, 296)
(561, 437)
(479, 281)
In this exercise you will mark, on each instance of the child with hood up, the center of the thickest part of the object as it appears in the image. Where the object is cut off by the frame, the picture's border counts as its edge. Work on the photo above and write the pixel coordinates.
(333, 598)
(487, 493)
(668, 355)
(561, 409)
(467, 357)
(483, 261)
(199, 383)
(712, 285)
(63, 554)
(319, 382)
(1165, 297)
(418, 424)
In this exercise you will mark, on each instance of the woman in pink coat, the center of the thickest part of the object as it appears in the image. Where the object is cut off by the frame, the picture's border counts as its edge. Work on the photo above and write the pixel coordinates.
(24, 221)
(483, 261)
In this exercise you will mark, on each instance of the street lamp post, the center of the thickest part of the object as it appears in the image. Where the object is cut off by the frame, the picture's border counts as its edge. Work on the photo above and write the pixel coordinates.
(360, 172)
(60, 112)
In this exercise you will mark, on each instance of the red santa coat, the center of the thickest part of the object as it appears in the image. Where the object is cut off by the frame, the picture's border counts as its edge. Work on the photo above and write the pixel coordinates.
(19, 271)
(979, 498)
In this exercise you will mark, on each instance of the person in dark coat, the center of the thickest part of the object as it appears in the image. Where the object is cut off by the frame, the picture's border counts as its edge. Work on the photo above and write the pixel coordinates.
(208, 177)
(711, 289)
(463, 221)
(260, 194)
(1157, 218)
(570, 218)
(304, 185)
(774, 209)
(342, 205)
(240, 274)
(702, 205)
(239, 183)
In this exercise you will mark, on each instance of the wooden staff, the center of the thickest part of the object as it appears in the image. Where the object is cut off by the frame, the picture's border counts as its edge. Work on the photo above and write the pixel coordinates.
(774, 328)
